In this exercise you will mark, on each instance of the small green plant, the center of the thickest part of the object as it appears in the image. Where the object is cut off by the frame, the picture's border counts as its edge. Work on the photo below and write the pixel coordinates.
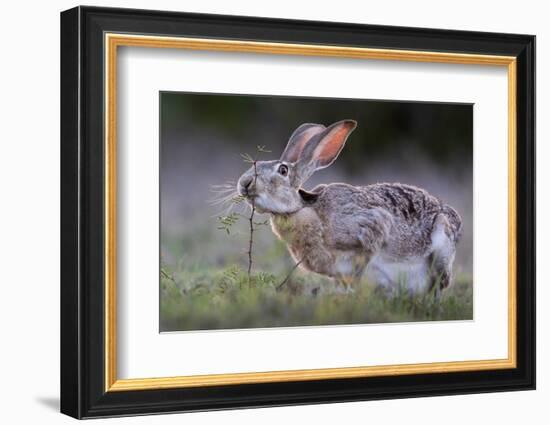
(226, 222)
(251, 225)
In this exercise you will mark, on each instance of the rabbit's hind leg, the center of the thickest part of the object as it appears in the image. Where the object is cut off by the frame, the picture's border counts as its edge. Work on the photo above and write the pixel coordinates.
(441, 258)
(345, 284)
(349, 270)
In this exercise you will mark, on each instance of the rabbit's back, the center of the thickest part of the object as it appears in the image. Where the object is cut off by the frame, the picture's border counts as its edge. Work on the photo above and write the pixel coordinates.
(392, 217)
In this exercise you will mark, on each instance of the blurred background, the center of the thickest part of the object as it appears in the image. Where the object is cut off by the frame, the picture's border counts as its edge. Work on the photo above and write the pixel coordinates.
(203, 136)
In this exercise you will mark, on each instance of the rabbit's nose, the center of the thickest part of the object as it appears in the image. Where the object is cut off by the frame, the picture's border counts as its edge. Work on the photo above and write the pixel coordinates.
(246, 182)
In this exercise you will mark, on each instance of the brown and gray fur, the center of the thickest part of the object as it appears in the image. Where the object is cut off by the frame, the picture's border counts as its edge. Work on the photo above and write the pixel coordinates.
(394, 233)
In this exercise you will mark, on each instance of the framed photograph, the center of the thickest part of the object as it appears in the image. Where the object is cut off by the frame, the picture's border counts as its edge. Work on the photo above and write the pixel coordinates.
(261, 212)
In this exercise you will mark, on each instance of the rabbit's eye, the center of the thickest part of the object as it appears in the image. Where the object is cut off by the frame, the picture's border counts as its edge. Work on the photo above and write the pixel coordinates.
(283, 170)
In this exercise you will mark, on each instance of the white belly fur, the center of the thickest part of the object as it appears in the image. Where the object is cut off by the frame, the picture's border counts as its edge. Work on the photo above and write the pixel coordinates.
(411, 274)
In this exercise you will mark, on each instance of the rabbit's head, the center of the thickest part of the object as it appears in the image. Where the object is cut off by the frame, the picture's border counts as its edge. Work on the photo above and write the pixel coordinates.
(274, 186)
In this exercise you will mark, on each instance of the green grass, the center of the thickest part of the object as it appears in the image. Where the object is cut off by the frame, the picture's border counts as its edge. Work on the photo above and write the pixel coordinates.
(204, 285)
(206, 298)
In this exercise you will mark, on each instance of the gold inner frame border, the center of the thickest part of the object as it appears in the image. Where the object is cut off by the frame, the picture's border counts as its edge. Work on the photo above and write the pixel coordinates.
(111, 43)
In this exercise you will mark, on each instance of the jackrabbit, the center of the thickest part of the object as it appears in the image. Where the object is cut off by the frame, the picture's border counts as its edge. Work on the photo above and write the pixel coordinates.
(397, 234)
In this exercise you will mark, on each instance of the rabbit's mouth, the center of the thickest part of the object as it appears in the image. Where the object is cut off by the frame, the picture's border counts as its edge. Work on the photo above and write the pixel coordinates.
(249, 195)
(252, 198)
(248, 192)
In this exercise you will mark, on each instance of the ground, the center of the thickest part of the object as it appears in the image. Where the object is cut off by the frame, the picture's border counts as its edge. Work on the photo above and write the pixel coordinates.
(227, 299)
(204, 285)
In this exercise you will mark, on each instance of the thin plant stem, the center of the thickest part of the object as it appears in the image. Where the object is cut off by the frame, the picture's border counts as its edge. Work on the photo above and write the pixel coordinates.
(167, 276)
(251, 223)
(288, 275)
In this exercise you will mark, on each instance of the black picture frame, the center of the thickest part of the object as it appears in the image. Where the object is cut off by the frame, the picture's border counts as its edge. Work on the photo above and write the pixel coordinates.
(83, 392)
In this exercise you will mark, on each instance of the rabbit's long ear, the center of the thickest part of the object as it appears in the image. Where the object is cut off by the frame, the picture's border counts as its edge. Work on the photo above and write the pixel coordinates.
(299, 139)
(323, 148)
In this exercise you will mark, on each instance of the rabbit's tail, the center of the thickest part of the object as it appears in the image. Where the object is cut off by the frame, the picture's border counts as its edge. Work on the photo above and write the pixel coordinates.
(454, 220)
